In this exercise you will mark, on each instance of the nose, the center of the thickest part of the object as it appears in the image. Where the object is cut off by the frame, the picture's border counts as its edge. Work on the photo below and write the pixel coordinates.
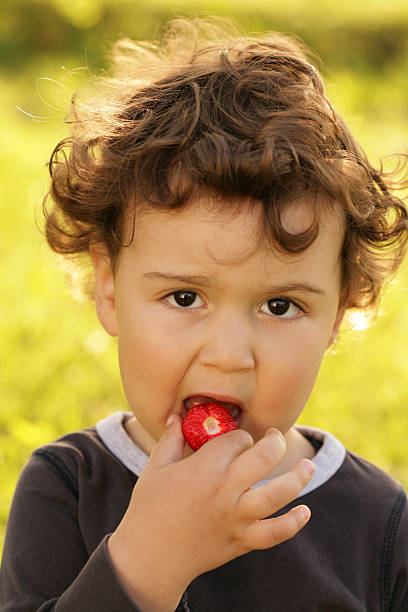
(229, 344)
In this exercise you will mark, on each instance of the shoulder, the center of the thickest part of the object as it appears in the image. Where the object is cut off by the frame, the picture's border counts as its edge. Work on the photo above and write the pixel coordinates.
(78, 451)
(371, 483)
(71, 493)
(368, 507)
(74, 451)
(360, 492)
(383, 497)
(78, 463)
(76, 476)
(352, 491)
(358, 488)
(383, 512)
(363, 509)
(342, 472)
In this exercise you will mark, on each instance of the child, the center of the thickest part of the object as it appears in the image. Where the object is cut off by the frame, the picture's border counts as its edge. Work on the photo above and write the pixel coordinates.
(232, 220)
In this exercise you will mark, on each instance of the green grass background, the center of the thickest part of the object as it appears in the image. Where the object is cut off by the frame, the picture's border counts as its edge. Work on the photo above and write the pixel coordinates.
(58, 368)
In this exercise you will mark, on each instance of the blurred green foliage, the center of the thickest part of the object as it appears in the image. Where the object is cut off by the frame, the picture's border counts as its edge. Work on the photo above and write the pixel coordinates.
(369, 34)
(59, 370)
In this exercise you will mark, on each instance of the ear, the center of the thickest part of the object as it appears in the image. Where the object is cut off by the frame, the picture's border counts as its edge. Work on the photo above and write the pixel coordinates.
(336, 326)
(104, 288)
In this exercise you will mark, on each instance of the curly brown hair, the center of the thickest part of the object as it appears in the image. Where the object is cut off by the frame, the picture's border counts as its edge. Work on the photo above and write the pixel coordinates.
(208, 110)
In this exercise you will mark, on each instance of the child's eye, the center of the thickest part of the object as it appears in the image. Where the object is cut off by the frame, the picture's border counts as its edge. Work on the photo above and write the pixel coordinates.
(282, 308)
(279, 307)
(182, 298)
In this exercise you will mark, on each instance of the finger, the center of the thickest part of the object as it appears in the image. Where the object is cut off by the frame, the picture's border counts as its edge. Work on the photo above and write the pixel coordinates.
(262, 501)
(222, 450)
(170, 447)
(270, 532)
(251, 466)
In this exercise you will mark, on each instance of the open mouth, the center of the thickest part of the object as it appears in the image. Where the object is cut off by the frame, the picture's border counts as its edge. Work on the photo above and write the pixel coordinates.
(195, 400)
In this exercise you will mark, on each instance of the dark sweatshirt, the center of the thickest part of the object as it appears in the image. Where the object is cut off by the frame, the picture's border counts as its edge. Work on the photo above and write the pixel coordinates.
(351, 557)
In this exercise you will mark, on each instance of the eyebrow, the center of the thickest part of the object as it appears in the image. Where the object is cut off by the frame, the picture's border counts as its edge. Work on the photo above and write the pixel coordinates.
(201, 280)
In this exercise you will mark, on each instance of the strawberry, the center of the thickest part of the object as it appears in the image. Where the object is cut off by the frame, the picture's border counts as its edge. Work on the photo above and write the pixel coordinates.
(204, 422)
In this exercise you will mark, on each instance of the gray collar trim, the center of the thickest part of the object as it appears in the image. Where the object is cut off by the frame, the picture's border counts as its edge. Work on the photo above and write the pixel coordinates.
(113, 434)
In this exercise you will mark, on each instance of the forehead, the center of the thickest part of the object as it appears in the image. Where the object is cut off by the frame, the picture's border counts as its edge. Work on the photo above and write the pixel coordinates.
(209, 246)
(231, 232)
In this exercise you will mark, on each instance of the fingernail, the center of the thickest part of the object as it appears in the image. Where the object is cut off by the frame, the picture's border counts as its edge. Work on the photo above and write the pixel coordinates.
(305, 512)
(273, 430)
(308, 466)
(170, 420)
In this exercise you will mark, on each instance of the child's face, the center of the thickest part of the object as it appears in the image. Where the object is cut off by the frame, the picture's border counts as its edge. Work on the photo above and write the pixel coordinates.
(254, 325)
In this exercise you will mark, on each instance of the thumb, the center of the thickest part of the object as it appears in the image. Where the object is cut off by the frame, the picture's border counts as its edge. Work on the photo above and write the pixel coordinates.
(170, 447)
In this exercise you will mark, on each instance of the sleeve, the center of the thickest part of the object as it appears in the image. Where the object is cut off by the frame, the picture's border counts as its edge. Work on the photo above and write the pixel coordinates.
(45, 564)
(397, 599)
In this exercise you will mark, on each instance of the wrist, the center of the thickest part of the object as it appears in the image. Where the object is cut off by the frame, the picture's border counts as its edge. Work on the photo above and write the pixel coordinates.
(145, 578)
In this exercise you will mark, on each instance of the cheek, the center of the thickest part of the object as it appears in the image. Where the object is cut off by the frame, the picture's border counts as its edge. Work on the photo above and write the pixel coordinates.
(149, 358)
(292, 368)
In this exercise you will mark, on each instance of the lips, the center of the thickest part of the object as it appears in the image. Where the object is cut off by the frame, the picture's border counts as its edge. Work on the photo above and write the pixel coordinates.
(234, 408)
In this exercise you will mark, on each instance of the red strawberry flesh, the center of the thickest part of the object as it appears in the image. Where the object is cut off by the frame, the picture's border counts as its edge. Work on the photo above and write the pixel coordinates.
(204, 422)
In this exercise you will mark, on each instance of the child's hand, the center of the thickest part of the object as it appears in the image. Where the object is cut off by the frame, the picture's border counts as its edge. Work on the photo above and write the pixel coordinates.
(188, 516)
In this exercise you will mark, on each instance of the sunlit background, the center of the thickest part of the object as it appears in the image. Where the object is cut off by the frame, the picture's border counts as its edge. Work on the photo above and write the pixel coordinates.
(58, 369)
